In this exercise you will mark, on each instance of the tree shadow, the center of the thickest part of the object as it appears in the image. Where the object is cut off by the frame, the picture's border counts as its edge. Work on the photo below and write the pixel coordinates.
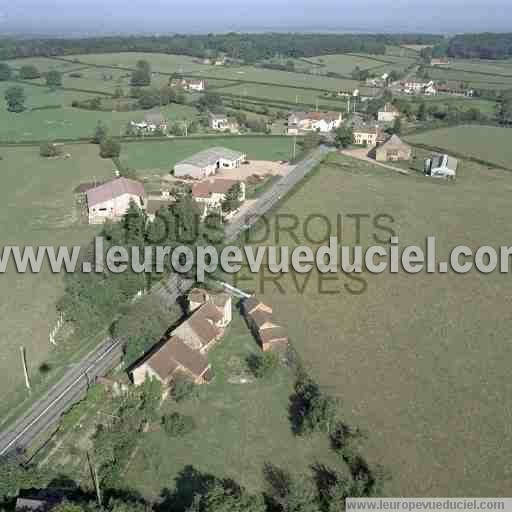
(190, 483)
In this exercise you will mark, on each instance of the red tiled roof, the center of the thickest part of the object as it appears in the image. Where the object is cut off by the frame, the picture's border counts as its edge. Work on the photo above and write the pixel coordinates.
(112, 189)
(173, 354)
(208, 187)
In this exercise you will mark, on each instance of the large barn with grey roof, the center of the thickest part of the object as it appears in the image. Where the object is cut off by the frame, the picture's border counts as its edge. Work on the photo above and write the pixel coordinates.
(208, 162)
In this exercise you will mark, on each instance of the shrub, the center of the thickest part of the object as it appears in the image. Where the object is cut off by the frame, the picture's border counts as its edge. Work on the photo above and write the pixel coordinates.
(109, 148)
(183, 388)
(178, 425)
(263, 365)
(49, 149)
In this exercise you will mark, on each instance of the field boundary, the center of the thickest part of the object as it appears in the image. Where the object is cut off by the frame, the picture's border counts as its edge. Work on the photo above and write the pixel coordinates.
(461, 156)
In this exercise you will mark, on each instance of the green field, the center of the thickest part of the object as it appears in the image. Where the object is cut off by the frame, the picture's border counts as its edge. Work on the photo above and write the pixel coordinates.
(421, 361)
(472, 78)
(160, 156)
(159, 61)
(276, 94)
(44, 64)
(37, 208)
(344, 64)
(66, 122)
(501, 67)
(487, 143)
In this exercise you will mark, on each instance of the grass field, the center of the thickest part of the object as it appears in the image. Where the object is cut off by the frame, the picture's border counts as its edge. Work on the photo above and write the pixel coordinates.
(472, 78)
(160, 156)
(488, 143)
(44, 64)
(344, 64)
(66, 122)
(276, 94)
(37, 208)
(158, 61)
(240, 427)
(421, 361)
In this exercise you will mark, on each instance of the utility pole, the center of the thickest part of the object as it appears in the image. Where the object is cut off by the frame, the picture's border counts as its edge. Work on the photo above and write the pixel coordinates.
(25, 371)
(294, 147)
(95, 480)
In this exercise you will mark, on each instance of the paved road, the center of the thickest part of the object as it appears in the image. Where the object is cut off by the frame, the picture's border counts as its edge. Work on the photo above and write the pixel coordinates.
(272, 197)
(47, 411)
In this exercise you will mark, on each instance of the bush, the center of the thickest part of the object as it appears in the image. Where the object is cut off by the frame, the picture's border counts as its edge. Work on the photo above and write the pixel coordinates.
(49, 149)
(178, 425)
(29, 73)
(183, 388)
(109, 148)
(263, 365)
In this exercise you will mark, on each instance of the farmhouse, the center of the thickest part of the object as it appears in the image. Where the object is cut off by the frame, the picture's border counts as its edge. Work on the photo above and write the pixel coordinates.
(392, 150)
(388, 113)
(156, 202)
(439, 62)
(259, 318)
(323, 122)
(188, 85)
(212, 192)
(197, 297)
(222, 123)
(112, 199)
(153, 121)
(443, 166)
(367, 135)
(208, 162)
(203, 328)
(167, 358)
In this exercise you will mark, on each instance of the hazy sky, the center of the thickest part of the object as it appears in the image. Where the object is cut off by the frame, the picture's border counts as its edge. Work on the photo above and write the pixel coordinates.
(167, 16)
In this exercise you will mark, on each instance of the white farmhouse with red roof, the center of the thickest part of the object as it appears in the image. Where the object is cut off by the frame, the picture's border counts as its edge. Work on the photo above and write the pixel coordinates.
(112, 199)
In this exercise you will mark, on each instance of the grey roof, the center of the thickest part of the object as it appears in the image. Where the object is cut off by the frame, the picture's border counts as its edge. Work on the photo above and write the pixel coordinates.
(444, 162)
(154, 117)
(211, 156)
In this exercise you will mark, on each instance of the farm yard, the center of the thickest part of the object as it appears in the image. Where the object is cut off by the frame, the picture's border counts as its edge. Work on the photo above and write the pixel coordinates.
(38, 208)
(419, 361)
(486, 143)
(160, 156)
(242, 425)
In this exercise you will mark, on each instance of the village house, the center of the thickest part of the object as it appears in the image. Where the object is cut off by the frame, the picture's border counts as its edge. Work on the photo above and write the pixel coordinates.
(322, 122)
(168, 358)
(196, 85)
(111, 200)
(212, 192)
(443, 61)
(203, 328)
(368, 135)
(221, 123)
(267, 332)
(393, 150)
(156, 202)
(441, 166)
(388, 113)
(197, 297)
(153, 121)
(208, 162)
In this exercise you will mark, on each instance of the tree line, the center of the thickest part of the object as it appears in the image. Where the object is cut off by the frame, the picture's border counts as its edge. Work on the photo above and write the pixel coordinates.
(476, 46)
(247, 47)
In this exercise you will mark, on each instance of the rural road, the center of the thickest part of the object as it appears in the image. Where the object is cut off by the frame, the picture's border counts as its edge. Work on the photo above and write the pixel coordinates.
(47, 411)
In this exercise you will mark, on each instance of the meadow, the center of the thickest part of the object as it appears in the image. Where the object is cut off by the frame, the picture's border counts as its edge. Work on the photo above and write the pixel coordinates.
(273, 94)
(472, 78)
(487, 143)
(420, 361)
(344, 64)
(62, 121)
(160, 156)
(37, 208)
